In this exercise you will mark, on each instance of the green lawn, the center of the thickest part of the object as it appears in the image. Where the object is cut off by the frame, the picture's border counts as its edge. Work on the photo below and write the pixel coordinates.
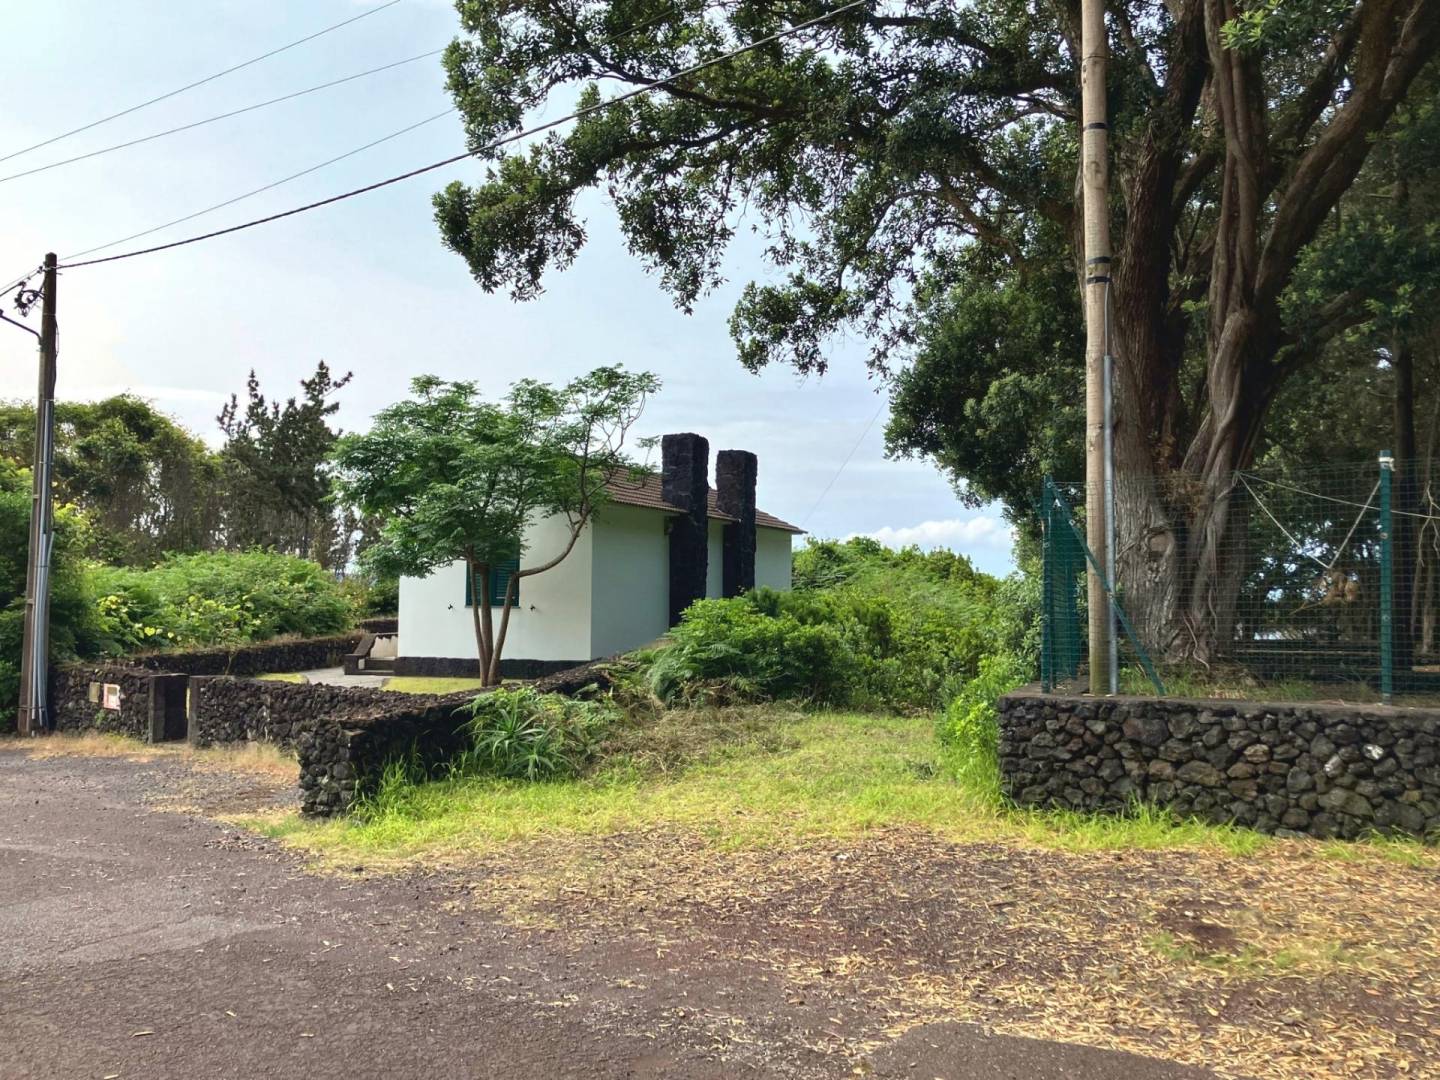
(282, 676)
(775, 777)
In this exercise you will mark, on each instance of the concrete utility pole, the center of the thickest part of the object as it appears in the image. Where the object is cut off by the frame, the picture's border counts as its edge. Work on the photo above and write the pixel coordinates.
(1095, 185)
(35, 654)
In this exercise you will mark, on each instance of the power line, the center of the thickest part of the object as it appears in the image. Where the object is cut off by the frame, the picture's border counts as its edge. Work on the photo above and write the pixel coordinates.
(644, 25)
(494, 144)
(221, 116)
(806, 519)
(201, 82)
(267, 187)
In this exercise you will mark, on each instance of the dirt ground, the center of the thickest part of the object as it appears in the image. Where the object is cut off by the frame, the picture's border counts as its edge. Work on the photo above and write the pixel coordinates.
(142, 937)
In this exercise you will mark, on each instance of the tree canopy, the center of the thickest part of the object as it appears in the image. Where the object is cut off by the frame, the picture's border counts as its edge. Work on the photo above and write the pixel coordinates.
(277, 473)
(876, 152)
(452, 477)
(148, 485)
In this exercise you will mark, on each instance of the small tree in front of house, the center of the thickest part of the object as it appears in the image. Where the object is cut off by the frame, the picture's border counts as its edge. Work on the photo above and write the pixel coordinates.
(453, 477)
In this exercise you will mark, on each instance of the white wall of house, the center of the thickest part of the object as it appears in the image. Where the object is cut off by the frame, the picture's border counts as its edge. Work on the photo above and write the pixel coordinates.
(550, 622)
(609, 596)
(630, 604)
(772, 558)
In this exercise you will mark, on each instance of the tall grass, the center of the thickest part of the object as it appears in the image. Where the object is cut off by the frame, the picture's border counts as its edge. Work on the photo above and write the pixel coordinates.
(780, 777)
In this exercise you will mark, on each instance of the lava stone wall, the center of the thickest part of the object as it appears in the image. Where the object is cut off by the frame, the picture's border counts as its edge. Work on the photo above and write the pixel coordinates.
(1288, 769)
(459, 667)
(71, 707)
(294, 654)
(341, 733)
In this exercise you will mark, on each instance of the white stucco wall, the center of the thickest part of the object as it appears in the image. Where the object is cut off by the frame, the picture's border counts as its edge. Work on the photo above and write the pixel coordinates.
(609, 596)
(772, 558)
(550, 622)
(631, 579)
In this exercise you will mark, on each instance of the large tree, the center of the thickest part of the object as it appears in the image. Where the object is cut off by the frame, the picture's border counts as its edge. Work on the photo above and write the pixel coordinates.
(455, 478)
(873, 150)
(276, 458)
(147, 485)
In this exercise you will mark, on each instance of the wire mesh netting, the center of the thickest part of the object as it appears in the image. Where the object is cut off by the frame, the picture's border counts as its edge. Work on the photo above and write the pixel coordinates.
(1315, 584)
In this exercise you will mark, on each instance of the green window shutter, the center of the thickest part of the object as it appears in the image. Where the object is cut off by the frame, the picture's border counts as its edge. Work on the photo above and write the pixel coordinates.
(499, 582)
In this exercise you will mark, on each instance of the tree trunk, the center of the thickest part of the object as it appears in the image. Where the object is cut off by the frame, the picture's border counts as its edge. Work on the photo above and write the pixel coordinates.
(492, 671)
(481, 616)
(1182, 547)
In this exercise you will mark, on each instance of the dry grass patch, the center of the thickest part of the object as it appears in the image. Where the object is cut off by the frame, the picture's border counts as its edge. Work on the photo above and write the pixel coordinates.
(1280, 964)
(261, 760)
(91, 744)
(842, 853)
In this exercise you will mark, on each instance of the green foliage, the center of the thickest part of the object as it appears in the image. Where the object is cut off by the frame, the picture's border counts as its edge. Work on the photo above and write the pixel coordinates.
(970, 728)
(215, 598)
(391, 793)
(372, 595)
(147, 485)
(733, 649)
(865, 626)
(73, 625)
(277, 475)
(532, 736)
(991, 396)
(453, 477)
(514, 734)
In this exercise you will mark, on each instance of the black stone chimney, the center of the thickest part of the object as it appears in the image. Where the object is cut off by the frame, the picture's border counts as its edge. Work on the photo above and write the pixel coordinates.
(735, 472)
(685, 483)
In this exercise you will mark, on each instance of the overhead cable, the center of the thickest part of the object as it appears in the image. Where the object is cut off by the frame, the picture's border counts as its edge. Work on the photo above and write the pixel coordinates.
(201, 82)
(645, 88)
(221, 116)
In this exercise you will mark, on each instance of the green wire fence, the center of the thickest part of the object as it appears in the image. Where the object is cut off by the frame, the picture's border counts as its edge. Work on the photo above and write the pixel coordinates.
(1299, 583)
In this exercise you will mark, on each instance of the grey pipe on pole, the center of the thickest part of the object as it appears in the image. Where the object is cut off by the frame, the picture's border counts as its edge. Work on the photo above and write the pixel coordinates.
(1113, 659)
(35, 644)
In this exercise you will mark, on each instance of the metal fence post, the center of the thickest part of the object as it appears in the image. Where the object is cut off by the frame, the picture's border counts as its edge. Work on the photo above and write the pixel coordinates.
(1047, 584)
(1387, 582)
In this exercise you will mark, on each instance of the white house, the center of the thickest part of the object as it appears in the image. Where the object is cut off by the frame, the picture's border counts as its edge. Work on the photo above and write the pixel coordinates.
(658, 544)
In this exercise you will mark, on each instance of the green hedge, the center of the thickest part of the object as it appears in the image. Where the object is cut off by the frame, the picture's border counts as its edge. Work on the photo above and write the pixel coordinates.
(73, 625)
(866, 626)
(216, 598)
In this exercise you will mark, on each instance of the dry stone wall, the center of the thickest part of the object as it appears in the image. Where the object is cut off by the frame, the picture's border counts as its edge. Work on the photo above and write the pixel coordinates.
(293, 654)
(1289, 769)
(75, 705)
(340, 733)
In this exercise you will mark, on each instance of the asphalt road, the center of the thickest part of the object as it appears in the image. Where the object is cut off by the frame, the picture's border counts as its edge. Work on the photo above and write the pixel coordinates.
(138, 941)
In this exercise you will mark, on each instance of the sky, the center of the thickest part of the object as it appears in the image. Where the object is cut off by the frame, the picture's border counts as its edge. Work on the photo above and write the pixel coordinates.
(366, 284)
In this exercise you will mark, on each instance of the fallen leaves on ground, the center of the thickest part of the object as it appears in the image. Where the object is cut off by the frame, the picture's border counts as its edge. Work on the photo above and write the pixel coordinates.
(1280, 964)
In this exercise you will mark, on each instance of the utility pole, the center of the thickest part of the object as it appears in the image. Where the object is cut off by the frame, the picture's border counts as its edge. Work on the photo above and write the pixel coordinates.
(1095, 186)
(35, 654)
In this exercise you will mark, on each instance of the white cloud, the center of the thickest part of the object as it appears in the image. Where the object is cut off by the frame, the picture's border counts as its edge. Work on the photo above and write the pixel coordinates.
(958, 534)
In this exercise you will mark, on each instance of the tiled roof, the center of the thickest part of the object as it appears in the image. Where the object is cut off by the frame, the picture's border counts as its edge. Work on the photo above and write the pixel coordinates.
(644, 490)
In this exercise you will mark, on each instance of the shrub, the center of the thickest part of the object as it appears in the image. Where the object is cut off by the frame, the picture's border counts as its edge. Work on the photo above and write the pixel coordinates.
(216, 598)
(909, 642)
(73, 626)
(372, 596)
(735, 649)
(970, 725)
(524, 734)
